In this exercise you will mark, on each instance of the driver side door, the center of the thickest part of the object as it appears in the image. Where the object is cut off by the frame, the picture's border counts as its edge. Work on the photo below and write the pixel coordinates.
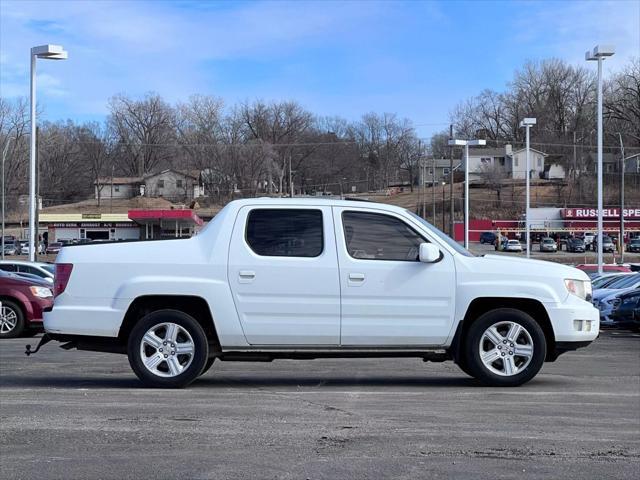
(389, 297)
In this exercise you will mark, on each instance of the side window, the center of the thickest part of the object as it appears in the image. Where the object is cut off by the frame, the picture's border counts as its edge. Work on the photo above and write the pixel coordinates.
(374, 236)
(7, 267)
(285, 232)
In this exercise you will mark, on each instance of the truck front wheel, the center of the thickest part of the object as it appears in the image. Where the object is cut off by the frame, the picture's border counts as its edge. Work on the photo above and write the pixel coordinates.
(505, 348)
(167, 349)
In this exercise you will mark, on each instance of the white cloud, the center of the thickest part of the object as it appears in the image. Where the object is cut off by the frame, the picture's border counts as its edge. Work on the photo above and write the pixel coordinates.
(567, 30)
(135, 47)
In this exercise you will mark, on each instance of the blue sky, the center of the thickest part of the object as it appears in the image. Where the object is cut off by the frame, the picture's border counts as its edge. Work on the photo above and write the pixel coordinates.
(418, 59)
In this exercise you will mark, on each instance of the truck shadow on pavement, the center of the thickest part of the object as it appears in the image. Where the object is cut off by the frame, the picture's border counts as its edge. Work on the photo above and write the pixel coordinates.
(253, 382)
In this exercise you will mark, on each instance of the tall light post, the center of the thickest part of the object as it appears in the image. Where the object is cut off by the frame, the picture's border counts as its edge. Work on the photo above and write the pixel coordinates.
(47, 52)
(527, 123)
(4, 156)
(466, 144)
(599, 53)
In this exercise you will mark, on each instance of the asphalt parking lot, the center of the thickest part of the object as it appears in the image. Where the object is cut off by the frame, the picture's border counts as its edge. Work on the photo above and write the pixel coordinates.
(70, 414)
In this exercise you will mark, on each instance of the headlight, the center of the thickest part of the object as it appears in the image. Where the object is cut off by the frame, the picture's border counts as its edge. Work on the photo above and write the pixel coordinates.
(579, 288)
(41, 292)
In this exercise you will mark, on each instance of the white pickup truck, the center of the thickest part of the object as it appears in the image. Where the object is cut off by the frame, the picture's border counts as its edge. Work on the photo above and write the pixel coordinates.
(309, 278)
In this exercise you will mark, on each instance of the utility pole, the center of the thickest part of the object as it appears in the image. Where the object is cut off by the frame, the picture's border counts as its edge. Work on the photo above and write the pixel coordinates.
(452, 205)
(291, 177)
(622, 162)
(4, 156)
(433, 189)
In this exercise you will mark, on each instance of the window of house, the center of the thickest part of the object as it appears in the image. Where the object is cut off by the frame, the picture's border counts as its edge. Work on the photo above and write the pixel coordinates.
(515, 161)
(285, 232)
(500, 161)
(116, 188)
(485, 161)
(179, 183)
(445, 171)
(374, 236)
(160, 183)
(539, 162)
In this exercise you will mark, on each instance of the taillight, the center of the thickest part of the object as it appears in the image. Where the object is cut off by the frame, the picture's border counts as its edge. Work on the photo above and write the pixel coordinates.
(61, 278)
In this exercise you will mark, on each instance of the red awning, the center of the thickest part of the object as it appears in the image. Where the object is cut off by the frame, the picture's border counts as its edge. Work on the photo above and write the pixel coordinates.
(182, 216)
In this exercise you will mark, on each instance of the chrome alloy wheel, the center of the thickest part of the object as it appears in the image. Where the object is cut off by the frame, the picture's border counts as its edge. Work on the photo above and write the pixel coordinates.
(506, 348)
(8, 319)
(167, 349)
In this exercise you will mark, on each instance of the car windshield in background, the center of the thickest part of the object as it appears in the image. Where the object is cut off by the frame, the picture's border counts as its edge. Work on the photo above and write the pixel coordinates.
(626, 281)
(549, 240)
(443, 236)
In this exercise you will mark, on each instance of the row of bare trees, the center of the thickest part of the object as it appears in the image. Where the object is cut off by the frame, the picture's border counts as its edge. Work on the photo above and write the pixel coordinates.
(562, 98)
(244, 149)
(265, 147)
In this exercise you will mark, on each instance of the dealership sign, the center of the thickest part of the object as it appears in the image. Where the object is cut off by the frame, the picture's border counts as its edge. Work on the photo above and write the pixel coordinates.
(580, 213)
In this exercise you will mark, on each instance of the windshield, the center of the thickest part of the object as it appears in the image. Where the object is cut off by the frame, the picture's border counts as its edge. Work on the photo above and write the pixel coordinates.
(635, 242)
(513, 242)
(624, 282)
(548, 240)
(602, 282)
(442, 236)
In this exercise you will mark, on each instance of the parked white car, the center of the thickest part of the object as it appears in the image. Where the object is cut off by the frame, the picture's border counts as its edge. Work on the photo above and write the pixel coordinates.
(512, 246)
(43, 270)
(312, 278)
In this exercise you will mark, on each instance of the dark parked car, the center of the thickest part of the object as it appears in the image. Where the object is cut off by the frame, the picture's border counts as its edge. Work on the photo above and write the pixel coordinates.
(634, 245)
(626, 310)
(22, 303)
(575, 245)
(487, 237)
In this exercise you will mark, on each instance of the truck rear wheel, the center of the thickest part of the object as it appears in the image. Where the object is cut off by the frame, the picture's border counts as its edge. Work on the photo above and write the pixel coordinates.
(167, 349)
(505, 348)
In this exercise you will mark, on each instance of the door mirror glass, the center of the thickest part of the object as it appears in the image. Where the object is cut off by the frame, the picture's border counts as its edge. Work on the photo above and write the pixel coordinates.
(429, 253)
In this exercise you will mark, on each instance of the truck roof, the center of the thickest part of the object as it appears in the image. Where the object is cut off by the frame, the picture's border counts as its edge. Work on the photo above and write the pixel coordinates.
(317, 201)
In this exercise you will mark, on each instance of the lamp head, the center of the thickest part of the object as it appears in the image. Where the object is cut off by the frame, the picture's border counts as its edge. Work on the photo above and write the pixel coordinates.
(50, 52)
(600, 51)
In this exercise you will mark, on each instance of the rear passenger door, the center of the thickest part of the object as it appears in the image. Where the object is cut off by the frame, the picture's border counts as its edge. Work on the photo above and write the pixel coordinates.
(283, 274)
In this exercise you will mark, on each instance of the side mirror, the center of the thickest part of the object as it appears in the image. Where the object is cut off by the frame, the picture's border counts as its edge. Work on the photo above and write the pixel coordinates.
(429, 253)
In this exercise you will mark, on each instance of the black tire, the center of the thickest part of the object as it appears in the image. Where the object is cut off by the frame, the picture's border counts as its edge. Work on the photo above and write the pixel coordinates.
(207, 365)
(198, 357)
(13, 309)
(501, 316)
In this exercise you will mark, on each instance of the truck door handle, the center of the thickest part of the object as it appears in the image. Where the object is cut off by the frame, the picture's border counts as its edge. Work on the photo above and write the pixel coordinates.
(356, 277)
(246, 276)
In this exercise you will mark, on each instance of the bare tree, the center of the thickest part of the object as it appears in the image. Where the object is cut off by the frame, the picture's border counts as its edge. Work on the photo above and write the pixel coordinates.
(144, 133)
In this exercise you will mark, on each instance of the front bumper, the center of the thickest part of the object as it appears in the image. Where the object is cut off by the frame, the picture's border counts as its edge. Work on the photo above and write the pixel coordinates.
(574, 321)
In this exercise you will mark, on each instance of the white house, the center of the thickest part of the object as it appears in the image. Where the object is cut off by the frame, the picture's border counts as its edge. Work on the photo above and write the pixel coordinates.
(512, 162)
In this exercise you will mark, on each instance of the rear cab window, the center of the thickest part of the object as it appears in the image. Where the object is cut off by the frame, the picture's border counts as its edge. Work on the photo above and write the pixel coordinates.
(280, 232)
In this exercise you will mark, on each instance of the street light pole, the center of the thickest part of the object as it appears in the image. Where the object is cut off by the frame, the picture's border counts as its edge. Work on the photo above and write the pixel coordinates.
(598, 54)
(49, 52)
(622, 161)
(443, 200)
(527, 123)
(4, 156)
(466, 144)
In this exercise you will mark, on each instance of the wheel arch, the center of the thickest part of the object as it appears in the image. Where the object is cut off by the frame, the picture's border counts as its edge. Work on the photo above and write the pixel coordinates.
(480, 306)
(23, 304)
(193, 305)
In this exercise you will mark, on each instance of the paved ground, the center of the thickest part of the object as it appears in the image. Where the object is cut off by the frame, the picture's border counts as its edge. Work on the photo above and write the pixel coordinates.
(83, 415)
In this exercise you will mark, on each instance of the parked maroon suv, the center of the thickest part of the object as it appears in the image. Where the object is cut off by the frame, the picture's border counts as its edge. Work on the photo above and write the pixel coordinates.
(22, 302)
